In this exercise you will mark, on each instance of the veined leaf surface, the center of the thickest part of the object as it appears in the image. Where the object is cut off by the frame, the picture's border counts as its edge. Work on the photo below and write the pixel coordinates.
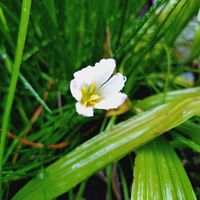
(159, 174)
(104, 148)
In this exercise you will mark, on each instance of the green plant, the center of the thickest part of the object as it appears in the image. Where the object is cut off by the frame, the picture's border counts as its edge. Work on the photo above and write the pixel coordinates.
(48, 142)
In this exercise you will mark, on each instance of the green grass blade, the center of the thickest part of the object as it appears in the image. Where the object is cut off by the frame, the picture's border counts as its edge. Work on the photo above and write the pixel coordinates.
(195, 51)
(81, 190)
(167, 77)
(188, 142)
(9, 66)
(124, 185)
(155, 100)
(105, 148)
(159, 174)
(179, 19)
(26, 5)
(190, 130)
(34, 93)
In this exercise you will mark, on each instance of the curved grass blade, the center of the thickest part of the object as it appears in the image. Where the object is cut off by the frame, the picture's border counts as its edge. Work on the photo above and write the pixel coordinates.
(34, 93)
(188, 142)
(105, 148)
(191, 130)
(27, 85)
(159, 174)
(155, 100)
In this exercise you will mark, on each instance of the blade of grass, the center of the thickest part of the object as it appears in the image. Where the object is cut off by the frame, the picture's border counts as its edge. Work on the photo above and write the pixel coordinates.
(81, 190)
(165, 176)
(195, 51)
(187, 142)
(155, 100)
(124, 184)
(5, 29)
(191, 130)
(27, 85)
(26, 5)
(168, 72)
(187, 128)
(135, 33)
(34, 93)
(107, 147)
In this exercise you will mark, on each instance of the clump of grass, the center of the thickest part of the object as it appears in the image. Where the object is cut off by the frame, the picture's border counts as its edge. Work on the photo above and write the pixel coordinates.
(40, 124)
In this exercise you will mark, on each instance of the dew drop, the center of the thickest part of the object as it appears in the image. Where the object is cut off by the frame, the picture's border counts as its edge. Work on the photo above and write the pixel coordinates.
(41, 175)
(184, 112)
(76, 166)
(124, 78)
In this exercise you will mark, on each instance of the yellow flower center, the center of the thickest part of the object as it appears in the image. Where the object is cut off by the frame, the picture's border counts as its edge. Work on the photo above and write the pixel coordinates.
(90, 97)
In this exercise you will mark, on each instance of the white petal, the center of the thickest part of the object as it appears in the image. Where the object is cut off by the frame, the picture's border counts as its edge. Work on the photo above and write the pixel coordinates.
(99, 74)
(85, 111)
(75, 87)
(105, 68)
(85, 75)
(114, 85)
(112, 102)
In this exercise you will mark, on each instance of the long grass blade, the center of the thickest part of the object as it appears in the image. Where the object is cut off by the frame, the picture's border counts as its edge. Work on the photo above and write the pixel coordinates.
(104, 148)
(159, 174)
(26, 5)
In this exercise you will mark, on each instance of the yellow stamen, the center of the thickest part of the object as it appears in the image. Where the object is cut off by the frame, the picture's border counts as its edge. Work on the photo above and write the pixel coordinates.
(94, 97)
(83, 90)
(90, 97)
(92, 87)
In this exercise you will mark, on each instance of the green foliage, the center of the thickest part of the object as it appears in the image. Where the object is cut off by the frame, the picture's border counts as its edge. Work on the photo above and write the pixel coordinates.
(164, 178)
(106, 147)
(63, 36)
(13, 82)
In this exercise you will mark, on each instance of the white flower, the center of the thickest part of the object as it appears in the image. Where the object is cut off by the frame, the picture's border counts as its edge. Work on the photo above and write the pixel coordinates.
(93, 87)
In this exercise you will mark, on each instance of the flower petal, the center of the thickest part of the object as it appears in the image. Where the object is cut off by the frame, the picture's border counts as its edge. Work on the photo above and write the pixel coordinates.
(105, 68)
(85, 75)
(85, 111)
(99, 74)
(75, 87)
(114, 85)
(112, 102)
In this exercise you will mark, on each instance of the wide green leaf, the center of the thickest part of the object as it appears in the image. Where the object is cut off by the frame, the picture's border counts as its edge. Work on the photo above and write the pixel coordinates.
(159, 174)
(189, 129)
(155, 100)
(104, 148)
